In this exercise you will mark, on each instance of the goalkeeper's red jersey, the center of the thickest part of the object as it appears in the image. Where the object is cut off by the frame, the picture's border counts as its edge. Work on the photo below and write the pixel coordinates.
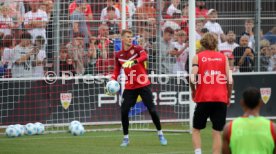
(136, 76)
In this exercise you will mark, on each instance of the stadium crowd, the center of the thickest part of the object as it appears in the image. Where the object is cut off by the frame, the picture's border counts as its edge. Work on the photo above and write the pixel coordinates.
(27, 37)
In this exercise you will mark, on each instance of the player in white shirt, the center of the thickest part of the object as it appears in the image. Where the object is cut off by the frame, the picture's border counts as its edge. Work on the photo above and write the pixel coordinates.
(39, 58)
(6, 22)
(35, 21)
(173, 7)
(213, 26)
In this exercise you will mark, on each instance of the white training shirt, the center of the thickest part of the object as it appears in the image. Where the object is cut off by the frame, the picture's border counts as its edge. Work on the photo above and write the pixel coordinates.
(215, 28)
(104, 13)
(4, 25)
(36, 16)
(227, 46)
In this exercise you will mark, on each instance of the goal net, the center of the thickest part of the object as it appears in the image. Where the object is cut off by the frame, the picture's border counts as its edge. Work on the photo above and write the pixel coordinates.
(56, 102)
(81, 40)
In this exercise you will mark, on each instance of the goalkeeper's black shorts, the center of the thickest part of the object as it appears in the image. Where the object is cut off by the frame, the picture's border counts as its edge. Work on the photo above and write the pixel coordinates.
(130, 98)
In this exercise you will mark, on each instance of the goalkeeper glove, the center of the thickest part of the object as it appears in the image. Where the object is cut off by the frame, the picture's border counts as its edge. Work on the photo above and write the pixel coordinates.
(129, 63)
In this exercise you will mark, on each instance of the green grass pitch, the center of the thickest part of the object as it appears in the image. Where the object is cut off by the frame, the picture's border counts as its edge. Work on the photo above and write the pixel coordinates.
(103, 143)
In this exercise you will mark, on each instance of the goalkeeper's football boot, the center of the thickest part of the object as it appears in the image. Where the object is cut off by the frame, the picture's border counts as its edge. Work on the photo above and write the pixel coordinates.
(162, 140)
(125, 142)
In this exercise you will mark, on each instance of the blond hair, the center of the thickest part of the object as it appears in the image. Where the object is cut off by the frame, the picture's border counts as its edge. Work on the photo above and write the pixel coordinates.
(209, 42)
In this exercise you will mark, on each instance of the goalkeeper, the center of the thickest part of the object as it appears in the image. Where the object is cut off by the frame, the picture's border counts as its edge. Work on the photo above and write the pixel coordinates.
(131, 58)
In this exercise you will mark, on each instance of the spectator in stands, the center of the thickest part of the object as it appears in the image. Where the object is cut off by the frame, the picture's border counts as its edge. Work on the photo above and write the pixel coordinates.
(104, 11)
(166, 48)
(249, 25)
(76, 52)
(85, 9)
(271, 35)
(6, 22)
(272, 61)
(65, 61)
(17, 11)
(105, 56)
(47, 6)
(105, 62)
(23, 57)
(105, 48)
(214, 26)
(174, 22)
(199, 26)
(35, 21)
(181, 52)
(148, 42)
(201, 10)
(93, 53)
(103, 34)
(7, 54)
(228, 47)
(131, 10)
(265, 55)
(111, 21)
(230, 43)
(144, 39)
(244, 56)
(173, 8)
(39, 58)
(79, 21)
(146, 14)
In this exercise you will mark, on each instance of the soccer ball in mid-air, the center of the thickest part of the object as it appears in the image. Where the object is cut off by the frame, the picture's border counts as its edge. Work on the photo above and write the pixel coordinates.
(77, 129)
(112, 87)
(39, 128)
(73, 123)
(12, 131)
(31, 129)
(21, 129)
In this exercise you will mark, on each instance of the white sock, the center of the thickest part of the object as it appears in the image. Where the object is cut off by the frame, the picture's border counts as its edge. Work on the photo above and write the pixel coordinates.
(160, 132)
(197, 151)
(126, 136)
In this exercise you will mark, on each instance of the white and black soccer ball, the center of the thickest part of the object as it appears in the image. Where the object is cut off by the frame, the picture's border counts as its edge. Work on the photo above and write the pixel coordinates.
(73, 123)
(77, 130)
(12, 131)
(40, 128)
(112, 87)
(30, 129)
